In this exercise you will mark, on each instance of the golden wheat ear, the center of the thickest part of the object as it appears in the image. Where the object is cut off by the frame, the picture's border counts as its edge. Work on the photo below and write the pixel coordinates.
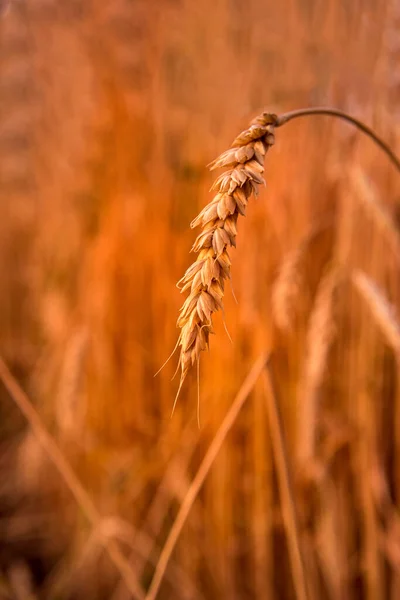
(205, 278)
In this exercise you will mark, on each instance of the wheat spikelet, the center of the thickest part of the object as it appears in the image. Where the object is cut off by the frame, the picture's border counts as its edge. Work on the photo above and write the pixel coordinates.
(381, 309)
(205, 278)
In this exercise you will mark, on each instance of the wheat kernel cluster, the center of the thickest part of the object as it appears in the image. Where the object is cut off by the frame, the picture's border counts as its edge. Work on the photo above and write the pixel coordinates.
(205, 278)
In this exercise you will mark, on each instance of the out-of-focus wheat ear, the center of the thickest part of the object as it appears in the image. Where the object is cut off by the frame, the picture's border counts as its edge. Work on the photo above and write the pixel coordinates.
(383, 312)
(286, 287)
(369, 198)
(69, 407)
(320, 335)
(288, 282)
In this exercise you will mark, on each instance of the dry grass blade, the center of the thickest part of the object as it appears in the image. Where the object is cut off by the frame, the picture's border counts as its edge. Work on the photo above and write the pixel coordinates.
(285, 485)
(383, 312)
(205, 278)
(67, 473)
(226, 425)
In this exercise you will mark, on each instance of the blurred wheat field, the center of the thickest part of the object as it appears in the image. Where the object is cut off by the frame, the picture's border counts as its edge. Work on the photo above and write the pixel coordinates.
(110, 112)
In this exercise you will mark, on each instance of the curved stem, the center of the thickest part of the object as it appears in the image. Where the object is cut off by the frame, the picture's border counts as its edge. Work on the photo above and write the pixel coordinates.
(334, 112)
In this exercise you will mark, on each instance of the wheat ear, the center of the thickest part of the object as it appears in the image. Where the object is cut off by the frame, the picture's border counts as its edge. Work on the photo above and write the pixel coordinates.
(205, 278)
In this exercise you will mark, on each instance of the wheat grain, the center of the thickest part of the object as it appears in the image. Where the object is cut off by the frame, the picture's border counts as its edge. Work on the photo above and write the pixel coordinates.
(205, 278)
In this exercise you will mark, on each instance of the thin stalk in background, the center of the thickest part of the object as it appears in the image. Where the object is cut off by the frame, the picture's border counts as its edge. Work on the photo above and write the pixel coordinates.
(206, 464)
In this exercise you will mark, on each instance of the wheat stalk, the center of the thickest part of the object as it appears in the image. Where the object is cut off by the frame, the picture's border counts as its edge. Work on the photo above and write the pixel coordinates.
(243, 393)
(205, 278)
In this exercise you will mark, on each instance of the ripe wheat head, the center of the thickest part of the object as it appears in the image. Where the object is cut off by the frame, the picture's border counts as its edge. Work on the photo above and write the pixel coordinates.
(205, 278)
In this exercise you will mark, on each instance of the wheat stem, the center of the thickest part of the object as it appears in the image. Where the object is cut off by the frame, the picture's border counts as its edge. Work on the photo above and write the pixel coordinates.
(334, 112)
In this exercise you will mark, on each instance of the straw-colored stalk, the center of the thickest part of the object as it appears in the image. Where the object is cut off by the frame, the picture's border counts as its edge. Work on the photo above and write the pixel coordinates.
(205, 278)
